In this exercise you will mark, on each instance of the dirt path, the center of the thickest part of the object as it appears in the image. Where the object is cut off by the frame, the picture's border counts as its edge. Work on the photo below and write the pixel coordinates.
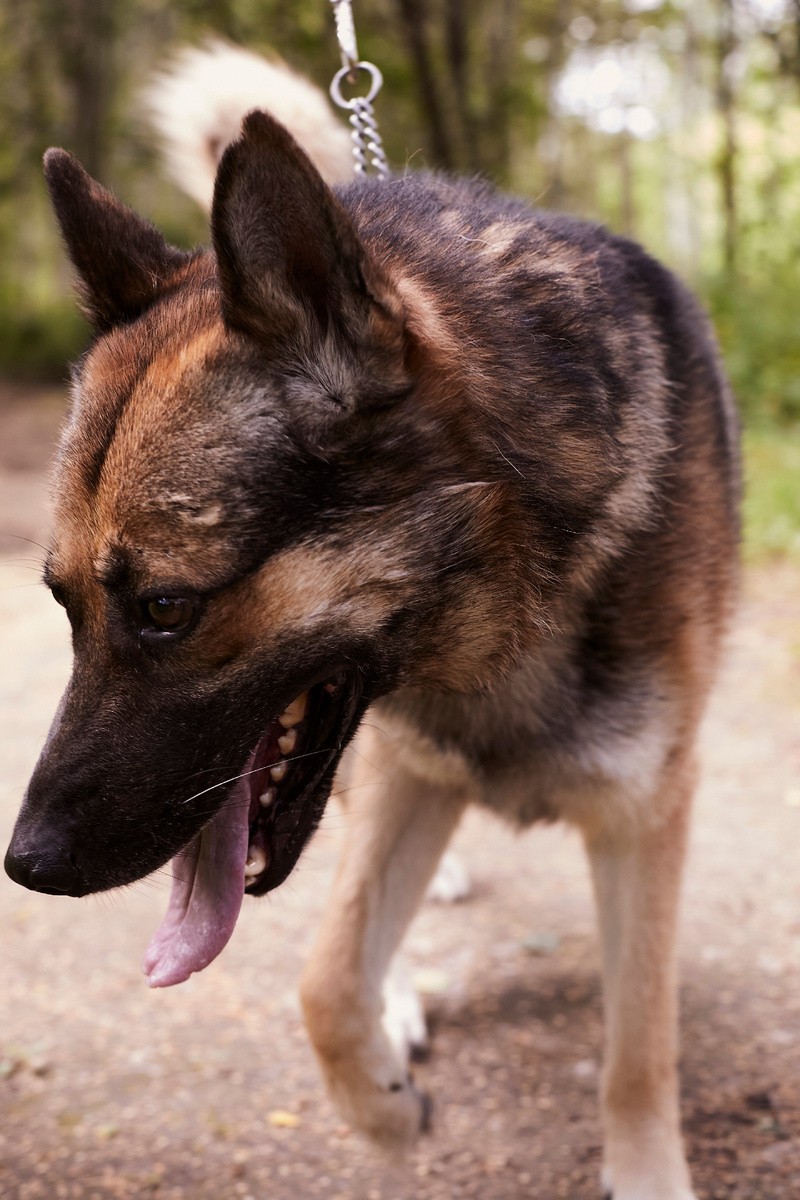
(209, 1091)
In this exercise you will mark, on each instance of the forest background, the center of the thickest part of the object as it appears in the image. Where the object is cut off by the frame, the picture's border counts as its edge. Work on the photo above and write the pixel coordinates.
(676, 123)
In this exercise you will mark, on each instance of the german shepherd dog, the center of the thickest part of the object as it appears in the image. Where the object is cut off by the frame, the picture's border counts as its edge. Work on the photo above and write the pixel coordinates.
(411, 446)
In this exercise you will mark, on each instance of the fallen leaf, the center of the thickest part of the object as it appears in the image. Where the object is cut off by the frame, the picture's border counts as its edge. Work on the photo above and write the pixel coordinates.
(283, 1119)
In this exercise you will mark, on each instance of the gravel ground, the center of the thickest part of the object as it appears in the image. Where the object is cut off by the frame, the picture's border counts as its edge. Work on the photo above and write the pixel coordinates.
(209, 1091)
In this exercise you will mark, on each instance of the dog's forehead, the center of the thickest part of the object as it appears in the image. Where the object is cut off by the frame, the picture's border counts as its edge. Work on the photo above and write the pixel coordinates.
(147, 459)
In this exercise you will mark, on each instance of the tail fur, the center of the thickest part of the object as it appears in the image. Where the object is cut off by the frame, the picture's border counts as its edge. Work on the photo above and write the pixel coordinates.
(196, 106)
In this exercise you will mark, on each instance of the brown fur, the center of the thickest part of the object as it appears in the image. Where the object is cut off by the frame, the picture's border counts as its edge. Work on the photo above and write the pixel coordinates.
(474, 463)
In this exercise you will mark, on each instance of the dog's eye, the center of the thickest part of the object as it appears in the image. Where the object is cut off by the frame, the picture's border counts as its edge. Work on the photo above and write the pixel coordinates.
(58, 595)
(171, 614)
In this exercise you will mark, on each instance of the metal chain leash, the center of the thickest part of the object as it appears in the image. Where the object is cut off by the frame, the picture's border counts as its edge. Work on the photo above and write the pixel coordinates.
(367, 145)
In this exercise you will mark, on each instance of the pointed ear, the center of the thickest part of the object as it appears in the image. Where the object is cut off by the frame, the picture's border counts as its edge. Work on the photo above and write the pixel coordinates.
(122, 261)
(291, 263)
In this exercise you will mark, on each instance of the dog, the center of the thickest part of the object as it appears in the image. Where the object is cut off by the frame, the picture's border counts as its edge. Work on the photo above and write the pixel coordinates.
(407, 446)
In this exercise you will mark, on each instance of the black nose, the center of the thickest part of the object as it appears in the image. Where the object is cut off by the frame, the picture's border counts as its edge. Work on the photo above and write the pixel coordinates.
(45, 869)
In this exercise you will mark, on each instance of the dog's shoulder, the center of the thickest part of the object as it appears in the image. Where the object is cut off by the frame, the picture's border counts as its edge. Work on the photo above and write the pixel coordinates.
(543, 288)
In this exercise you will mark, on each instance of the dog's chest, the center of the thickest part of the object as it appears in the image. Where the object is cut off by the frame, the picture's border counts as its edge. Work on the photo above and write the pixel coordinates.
(538, 745)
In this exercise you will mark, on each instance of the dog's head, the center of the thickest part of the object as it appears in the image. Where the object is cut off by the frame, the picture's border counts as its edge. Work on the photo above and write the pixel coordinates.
(261, 524)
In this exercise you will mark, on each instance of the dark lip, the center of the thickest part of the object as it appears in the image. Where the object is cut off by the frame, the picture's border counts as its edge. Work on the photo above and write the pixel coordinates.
(286, 826)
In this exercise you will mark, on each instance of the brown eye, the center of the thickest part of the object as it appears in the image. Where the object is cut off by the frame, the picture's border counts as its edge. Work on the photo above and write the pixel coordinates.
(170, 613)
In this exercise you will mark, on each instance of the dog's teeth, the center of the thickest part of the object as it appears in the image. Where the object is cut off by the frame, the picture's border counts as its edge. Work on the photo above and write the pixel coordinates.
(266, 798)
(256, 861)
(288, 741)
(295, 712)
(278, 771)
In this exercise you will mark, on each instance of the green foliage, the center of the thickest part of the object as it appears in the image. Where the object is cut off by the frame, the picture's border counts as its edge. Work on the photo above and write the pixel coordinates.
(38, 343)
(771, 508)
(758, 325)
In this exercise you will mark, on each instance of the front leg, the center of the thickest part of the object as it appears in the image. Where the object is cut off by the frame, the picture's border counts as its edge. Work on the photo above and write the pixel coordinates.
(404, 803)
(637, 876)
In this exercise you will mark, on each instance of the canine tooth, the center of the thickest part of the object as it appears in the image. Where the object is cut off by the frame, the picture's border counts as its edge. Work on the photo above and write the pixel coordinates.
(278, 771)
(266, 798)
(287, 741)
(295, 712)
(256, 861)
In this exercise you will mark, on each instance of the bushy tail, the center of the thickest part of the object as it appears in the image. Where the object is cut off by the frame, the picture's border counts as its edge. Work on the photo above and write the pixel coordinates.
(197, 104)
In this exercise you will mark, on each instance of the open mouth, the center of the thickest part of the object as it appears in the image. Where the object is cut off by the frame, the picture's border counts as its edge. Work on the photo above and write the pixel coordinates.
(255, 838)
(286, 774)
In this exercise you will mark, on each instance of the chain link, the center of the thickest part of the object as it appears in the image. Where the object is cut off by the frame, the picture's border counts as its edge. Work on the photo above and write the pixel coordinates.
(346, 35)
(368, 151)
(366, 139)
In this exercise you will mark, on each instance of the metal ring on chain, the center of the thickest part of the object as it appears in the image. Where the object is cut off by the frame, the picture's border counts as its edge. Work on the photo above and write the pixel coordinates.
(376, 83)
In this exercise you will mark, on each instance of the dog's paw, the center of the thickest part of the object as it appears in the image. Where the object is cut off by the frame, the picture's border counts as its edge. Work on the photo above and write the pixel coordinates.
(451, 881)
(366, 1075)
(651, 1185)
(643, 1155)
(391, 1117)
(403, 1017)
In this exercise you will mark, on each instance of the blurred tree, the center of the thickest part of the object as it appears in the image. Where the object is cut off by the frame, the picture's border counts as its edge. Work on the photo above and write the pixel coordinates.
(473, 80)
(413, 16)
(726, 79)
(786, 38)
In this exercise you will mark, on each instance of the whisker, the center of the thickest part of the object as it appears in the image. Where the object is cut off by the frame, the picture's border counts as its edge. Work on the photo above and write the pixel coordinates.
(256, 771)
(15, 587)
(20, 538)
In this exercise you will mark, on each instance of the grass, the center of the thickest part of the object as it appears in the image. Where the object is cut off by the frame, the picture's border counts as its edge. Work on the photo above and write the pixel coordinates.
(772, 494)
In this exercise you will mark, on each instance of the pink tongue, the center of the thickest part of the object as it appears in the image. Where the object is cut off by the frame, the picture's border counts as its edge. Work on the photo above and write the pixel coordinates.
(207, 893)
